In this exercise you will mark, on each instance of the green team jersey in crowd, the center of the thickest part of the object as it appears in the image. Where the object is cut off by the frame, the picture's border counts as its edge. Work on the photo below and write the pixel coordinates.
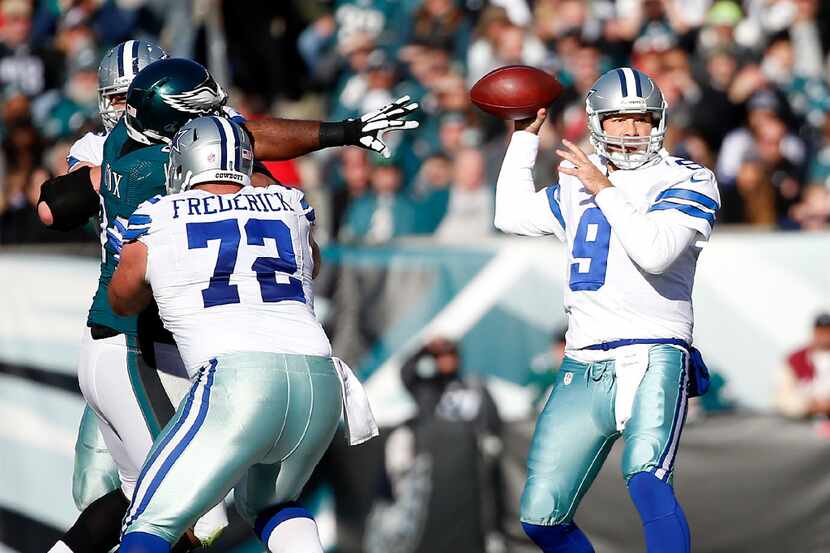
(130, 174)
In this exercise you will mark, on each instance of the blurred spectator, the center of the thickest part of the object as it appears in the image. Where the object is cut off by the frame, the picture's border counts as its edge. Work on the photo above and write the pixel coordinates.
(544, 368)
(720, 26)
(501, 43)
(257, 33)
(63, 113)
(382, 214)
(23, 69)
(803, 383)
(819, 166)
(431, 192)
(756, 197)
(432, 483)
(716, 114)
(764, 139)
(583, 69)
(22, 148)
(355, 172)
(441, 24)
(813, 212)
(470, 210)
(19, 223)
(355, 50)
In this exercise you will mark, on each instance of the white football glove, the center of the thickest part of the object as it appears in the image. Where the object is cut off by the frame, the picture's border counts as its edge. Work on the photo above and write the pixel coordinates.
(372, 126)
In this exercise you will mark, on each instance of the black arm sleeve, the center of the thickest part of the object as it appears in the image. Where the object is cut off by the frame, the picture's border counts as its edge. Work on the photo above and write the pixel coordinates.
(71, 199)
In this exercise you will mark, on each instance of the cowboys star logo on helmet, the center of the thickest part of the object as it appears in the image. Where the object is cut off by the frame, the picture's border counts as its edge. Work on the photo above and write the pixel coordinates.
(200, 100)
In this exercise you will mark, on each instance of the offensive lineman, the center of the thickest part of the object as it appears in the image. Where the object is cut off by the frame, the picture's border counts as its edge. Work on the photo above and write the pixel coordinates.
(630, 217)
(172, 92)
(230, 267)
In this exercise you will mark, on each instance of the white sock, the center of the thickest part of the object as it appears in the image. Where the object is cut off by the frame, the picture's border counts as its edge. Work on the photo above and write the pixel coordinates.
(295, 535)
(60, 547)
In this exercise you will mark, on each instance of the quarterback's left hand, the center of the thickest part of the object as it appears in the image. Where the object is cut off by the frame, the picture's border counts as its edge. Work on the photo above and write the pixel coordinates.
(367, 132)
(583, 168)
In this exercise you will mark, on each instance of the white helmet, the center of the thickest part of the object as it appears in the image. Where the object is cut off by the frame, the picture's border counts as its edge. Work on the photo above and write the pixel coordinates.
(116, 72)
(626, 90)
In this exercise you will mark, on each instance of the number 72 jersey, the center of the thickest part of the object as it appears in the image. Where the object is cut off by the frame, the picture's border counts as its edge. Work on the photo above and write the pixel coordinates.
(608, 296)
(232, 272)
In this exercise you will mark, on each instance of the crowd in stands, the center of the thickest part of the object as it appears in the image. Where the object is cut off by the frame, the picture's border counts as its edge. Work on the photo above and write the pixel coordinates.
(747, 84)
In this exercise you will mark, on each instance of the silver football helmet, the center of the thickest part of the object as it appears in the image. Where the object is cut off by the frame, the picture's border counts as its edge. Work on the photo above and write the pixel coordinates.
(209, 149)
(116, 72)
(626, 90)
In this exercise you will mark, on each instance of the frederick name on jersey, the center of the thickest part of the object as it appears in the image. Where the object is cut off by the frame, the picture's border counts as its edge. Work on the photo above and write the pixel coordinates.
(232, 272)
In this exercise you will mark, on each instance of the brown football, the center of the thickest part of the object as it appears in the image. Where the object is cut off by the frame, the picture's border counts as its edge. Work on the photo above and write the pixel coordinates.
(515, 91)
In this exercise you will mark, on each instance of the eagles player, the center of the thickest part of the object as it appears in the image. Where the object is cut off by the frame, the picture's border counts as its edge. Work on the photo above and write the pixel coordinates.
(631, 216)
(95, 473)
(95, 481)
(230, 267)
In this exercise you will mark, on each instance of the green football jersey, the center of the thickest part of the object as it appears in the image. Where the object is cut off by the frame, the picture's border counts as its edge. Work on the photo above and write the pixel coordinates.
(130, 174)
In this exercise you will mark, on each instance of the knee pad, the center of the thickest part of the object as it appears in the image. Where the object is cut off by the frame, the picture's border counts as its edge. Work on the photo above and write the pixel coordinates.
(288, 527)
(543, 502)
(664, 522)
(559, 538)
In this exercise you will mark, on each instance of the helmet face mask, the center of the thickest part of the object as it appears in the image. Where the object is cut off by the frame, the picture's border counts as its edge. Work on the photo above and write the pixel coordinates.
(115, 73)
(166, 95)
(626, 91)
(207, 150)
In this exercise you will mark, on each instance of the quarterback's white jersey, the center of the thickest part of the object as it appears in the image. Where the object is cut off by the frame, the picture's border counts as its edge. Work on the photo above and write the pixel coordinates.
(631, 249)
(232, 273)
(87, 149)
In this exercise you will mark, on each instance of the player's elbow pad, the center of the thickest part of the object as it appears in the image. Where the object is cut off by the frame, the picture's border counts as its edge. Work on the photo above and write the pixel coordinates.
(70, 198)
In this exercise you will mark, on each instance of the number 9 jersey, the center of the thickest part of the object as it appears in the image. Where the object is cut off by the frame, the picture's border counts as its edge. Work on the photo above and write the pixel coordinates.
(232, 272)
(609, 296)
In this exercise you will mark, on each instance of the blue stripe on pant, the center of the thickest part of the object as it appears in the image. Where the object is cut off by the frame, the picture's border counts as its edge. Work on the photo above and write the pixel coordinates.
(270, 419)
(141, 498)
(577, 428)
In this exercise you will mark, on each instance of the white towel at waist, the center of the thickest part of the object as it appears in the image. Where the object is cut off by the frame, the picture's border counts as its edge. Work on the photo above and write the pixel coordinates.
(360, 422)
(630, 364)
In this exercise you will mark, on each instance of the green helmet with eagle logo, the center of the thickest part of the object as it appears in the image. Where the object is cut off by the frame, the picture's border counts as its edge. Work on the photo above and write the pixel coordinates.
(167, 94)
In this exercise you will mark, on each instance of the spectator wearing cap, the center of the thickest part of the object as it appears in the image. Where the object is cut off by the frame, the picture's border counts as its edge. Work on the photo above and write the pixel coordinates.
(803, 382)
(445, 498)
(719, 26)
